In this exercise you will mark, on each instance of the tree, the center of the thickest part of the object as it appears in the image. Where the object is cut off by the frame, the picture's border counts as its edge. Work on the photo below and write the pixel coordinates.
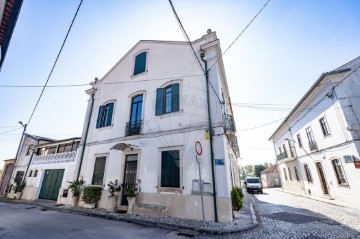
(258, 169)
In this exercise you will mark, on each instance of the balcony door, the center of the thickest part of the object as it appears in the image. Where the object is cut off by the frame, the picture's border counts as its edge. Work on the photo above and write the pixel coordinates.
(134, 126)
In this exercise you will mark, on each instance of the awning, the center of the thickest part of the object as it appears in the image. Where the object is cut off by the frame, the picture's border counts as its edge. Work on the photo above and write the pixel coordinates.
(123, 146)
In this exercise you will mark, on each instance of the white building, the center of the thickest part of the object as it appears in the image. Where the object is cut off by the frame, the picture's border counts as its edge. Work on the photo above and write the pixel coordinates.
(317, 145)
(145, 116)
(46, 165)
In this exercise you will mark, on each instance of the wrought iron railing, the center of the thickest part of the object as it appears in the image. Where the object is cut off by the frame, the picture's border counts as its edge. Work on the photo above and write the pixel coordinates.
(229, 124)
(313, 145)
(281, 156)
(66, 157)
(133, 128)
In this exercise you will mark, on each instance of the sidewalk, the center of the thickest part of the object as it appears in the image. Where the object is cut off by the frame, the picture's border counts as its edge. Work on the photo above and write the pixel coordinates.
(321, 199)
(244, 223)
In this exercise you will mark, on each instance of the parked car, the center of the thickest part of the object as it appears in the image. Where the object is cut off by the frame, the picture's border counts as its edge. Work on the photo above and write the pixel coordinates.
(253, 184)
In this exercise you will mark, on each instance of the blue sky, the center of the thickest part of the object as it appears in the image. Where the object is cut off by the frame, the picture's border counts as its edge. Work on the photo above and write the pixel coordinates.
(274, 62)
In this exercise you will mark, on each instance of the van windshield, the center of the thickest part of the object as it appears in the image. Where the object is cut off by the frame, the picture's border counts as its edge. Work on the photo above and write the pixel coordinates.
(253, 180)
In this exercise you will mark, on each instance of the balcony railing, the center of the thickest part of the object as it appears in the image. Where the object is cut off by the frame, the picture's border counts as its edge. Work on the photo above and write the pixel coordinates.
(235, 147)
(66, 157)
(133, 128)
(229, 124)
(281, 156)
(313, 145)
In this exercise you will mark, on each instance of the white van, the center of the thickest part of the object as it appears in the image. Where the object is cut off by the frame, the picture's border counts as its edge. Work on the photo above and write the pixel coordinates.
(253, 184)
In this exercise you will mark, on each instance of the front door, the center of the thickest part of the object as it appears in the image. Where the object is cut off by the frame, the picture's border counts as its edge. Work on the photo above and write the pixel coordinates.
(51, 184)
(6, 178)
(130, 174)
(322, 178)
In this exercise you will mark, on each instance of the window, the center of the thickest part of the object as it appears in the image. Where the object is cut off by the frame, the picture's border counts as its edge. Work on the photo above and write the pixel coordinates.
(291, 149)
(324, 126)
(30, 173)
(310, 136)
(339, 171)
(19, 176)
(170, 169)
(308, 174)
(285, 175)
(280, 150)
(286, 155)
(167, 99)
(35, 173)
(29, 151)
(296, 174)
(134, 126)
(140, 63)
(69, 147)
(52, 150)
(99, 169)
(105, 115)
(299, 140)
(290, 176)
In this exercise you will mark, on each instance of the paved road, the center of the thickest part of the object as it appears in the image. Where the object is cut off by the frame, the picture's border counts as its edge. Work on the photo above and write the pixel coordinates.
(22, 221)
(286, 216)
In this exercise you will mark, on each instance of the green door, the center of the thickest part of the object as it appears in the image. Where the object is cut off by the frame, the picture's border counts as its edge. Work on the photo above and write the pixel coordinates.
(51, 184)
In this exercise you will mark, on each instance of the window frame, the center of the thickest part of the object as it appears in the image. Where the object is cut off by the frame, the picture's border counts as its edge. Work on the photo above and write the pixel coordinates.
(133, 75)
(297, 177)
(171, 189)
(298, 136)
(35, 173)
(30, 174)
(286, 177)
(104, 117)
(338, 179)
(290, 175)
(308, 173)
(160, 100)
(104, 173)
(324, 125)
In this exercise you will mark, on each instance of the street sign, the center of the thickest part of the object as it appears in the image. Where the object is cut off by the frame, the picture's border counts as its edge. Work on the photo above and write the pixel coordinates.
(207, 136)
(198, 148)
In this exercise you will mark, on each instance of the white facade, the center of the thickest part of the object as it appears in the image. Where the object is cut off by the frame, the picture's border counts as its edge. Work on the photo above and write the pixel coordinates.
(167, 65)
(327, 121)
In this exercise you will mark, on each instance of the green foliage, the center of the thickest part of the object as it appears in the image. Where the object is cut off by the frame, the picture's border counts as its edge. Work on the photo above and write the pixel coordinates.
(236, 198)
(92, 194)
(75, 187)
(258, 169)
(130, 190)
(114, 187)
(19, 185)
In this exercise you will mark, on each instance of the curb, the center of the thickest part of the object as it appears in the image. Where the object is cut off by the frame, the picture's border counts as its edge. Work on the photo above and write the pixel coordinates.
(143, 222)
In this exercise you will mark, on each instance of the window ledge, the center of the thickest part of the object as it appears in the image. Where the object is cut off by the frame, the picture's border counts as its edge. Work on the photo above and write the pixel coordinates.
(166, 115)
(170, 190)
(140, 74)
(344, 186)
(105, 127)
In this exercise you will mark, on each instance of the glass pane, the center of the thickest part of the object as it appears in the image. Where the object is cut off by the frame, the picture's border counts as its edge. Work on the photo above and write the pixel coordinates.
(133, 113)
(168, 100)
(139, 111)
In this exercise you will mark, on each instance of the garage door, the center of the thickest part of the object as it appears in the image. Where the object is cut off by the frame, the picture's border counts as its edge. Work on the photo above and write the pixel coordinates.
(51, 184)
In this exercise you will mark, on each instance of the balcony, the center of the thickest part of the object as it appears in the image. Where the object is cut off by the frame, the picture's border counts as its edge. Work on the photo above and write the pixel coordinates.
(133, 128)
(229, 126)
(313, 146)
(235, 147)
(66, 157)
(281, 156)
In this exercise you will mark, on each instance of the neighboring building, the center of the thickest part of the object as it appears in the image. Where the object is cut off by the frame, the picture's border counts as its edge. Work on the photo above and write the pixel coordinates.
(52, 166)
(318, 143)
(145, 116)
(270, 177)
(9, 11)
(6, 175)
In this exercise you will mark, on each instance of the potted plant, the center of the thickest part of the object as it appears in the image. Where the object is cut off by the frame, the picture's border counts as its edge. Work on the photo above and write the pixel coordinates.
(91, 195)
(114, 189)
(75, 188)
(130, 191)
(236, 200)
(19, 186)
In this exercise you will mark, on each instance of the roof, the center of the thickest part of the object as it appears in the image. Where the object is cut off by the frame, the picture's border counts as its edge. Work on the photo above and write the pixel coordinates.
(344, 68)
(58, 142)
(271, 169)
(8, 22)
(36, 137)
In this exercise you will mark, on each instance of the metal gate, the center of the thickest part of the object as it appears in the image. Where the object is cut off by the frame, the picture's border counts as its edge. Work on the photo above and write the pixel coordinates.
(51, 184)
(130, 174)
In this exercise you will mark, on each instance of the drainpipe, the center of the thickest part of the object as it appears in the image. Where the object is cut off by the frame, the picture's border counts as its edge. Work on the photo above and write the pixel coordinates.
(202, 55)
(85, 136)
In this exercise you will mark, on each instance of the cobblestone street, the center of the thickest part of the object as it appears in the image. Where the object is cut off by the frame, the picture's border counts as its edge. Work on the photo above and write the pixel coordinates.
(284, 215)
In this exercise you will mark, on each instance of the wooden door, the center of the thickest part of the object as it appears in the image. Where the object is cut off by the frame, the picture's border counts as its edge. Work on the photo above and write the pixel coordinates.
(322, 178)
(130, 174)
(51, 184)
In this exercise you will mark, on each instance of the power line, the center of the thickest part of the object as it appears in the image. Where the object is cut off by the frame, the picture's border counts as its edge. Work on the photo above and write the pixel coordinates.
(8, 127)
(259, 126)
(11, 130)
(56, 60)
(240, 34)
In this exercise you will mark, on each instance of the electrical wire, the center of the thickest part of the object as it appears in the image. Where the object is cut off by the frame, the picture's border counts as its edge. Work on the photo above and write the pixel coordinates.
(259, 126)
(240, 34)
(11, 130)
(56, 60)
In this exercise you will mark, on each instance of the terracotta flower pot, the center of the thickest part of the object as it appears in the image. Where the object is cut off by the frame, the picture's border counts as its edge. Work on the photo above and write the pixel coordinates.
(131, 202)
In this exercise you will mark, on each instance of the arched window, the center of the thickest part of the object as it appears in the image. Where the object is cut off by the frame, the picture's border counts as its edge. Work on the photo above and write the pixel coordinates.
(133, 127)
(140, 63)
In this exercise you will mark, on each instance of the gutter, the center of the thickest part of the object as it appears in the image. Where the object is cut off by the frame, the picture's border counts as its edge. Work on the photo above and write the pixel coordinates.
(202, 55)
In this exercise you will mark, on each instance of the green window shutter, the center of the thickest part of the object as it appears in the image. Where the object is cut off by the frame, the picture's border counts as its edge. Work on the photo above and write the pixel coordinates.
(140, 63)
(99, 170)
(170, 169)
(109, 113)
(98, 122)
(159, 101)
(175, 97)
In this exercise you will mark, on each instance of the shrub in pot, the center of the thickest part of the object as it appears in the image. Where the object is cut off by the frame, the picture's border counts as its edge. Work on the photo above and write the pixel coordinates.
(114, 189)
(130, 191)
(75, 188)
(236, 200)
(19, 186)
(91, 195)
